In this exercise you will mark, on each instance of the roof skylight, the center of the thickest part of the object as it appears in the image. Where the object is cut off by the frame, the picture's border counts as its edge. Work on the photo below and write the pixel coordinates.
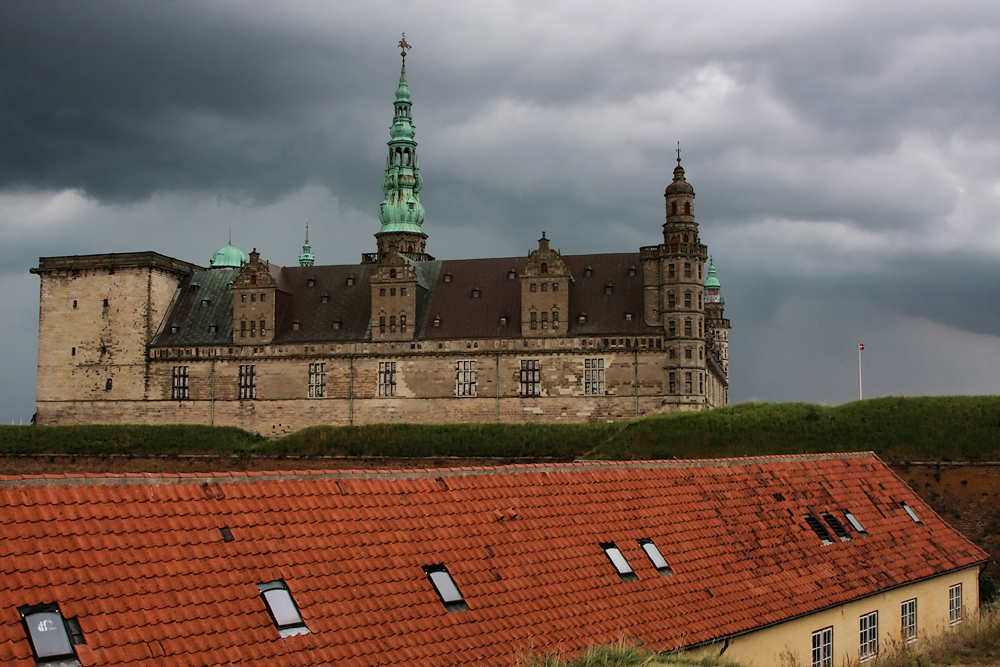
(659, 562)
(281, 607)
(838, 527)
(819, 529)
(48, 632)
(854, 522)
(445, 587)
(913, 515)
(614, 554)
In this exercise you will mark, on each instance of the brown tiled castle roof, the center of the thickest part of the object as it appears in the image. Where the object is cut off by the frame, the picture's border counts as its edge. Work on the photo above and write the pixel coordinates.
(141, 562)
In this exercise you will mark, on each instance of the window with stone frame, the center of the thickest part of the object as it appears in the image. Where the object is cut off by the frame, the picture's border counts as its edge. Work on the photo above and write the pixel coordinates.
(687, 299)
(672, 328)
(687, 270)
(671, 353)
(673, 383)
(555, 319)
(248, 381)
(687, 353)
(243, 328)
(387, 378)
(465, 378)
(317, 380)
(402, 323)
(593, 377)
(534, 320)
(687, 383)
(671, 300)
(687, 327)
(392, 324)
(545, 319)
(180, 389)
(671, 271)
(381, 323)
(531, 377)
(701, 383)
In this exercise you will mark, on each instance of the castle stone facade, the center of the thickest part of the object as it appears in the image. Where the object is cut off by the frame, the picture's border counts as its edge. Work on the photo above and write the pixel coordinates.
(400, 337)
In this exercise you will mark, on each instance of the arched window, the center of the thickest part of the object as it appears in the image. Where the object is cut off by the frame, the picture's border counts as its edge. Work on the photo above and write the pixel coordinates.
(253, 280)
(545, 268)
(673, 208)
(687, 208)
(392, 273)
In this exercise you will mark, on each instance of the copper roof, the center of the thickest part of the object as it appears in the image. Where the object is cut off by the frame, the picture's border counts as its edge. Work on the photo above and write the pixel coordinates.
(141, 561)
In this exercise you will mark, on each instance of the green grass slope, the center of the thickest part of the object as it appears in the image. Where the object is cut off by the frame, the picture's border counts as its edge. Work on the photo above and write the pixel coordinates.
(946, 428)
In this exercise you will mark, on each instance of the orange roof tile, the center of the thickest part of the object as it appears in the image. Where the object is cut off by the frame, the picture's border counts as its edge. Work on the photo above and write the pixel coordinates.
(140, 559)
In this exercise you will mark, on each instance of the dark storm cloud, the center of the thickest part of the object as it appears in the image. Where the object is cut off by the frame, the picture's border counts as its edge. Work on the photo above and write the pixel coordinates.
(845, 155)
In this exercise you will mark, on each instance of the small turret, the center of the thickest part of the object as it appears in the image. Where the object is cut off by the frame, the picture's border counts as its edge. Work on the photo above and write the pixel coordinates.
(306, 257)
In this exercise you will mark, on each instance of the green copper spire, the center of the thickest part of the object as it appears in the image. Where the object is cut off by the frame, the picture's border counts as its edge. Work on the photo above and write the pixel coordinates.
(306, 257)
(401, 210)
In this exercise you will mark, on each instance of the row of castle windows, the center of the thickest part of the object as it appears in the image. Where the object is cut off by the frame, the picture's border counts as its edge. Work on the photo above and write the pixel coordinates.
(534, 319)
(243, 328)
(76, 304)
(688, 353)
(243, 298)
(688, 383)
(533, 287)
(392, 291)
(672, 269)
(672, 300)
(687, 210)
(688, 328)
(392, 324)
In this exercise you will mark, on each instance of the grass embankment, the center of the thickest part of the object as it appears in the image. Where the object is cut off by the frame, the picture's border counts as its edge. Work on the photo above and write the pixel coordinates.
(947, 428)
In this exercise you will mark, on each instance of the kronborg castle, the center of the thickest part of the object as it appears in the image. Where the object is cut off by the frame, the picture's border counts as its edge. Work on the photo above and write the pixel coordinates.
(401, 337)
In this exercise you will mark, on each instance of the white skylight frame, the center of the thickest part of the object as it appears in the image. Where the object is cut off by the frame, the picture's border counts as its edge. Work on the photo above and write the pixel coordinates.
(48, 633)
(851, 519)
(282, 609)
(913, 515)
(619, 561)
(655, 557)
(446, 588)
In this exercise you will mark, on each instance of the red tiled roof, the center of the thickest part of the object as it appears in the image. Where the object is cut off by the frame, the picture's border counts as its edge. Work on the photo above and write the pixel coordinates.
(140, 559)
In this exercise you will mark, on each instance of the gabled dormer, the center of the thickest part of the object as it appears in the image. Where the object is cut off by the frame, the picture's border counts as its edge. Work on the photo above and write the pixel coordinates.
(254, 297)
(394, 298)
(544, 293)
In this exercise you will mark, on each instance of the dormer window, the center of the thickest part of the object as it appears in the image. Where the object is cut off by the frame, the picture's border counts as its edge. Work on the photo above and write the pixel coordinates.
(350, 281)
(608, 288)
(476, 293)
(447, 277)
(336, 325)
(582, 318)
(324, 299)
(310, 283)
(631, 271)
(173, 328)
(511, 275)
(295, 326)
(628, 317)
(213, 328)
(588, 272)
(437, 321)
(204, 303)
(503, 319)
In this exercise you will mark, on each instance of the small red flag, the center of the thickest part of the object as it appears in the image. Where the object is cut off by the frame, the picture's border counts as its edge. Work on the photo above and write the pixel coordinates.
(861, 346)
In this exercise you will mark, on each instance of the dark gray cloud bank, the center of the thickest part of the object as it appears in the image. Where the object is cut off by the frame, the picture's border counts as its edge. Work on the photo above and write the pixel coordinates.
(846, 157)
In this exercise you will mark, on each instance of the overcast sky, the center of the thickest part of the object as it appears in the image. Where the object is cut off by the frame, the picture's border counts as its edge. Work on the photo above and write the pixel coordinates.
(845, 156)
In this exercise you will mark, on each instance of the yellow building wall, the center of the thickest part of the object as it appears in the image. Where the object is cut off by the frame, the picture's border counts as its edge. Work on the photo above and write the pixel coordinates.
(789, 644)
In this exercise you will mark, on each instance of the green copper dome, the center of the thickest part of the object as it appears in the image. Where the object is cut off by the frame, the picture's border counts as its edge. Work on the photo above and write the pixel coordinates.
(711, 282)
(229, 257)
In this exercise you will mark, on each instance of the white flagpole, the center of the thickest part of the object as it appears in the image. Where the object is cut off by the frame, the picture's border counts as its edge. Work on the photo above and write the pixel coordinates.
(861, 387)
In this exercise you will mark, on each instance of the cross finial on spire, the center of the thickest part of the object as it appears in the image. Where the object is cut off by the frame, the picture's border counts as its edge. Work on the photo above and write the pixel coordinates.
(307, 230)
(404, 47)
(678, 153)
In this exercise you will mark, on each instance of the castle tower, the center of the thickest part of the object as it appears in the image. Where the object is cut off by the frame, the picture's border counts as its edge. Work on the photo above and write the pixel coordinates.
(716, 324)
(401, 212)
(306, 257)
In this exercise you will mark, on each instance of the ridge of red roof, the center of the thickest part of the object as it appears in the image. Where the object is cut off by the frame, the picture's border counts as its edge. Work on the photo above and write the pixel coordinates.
(141, 560)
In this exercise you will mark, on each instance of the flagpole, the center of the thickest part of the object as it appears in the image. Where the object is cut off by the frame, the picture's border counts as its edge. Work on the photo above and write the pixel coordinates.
(861, 387)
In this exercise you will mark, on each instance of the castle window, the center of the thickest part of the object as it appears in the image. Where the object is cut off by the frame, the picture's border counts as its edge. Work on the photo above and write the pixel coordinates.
(105, 303)
(687, 327)
(511, 275)
(673, 208)
(323, 299)
(108, 384)
(588, 272)
(545, 320)
(173, 328)
(533, 287)
(213, 328)
(659, 343)
(671, 353)
(701, 353)
(687, 209)
(381, 324)
(465, 378)
(243, 298)
(687, 269)
(687, 383)
(295, 325)
(317, 380)
(248, 382)
(687, 299)
(350, 281)
(699, 300)
(631, 270)
(555, 287)
(659, 562)
(336, 325)
(700, 332)
(310, 283)
(671, 270)
(618, 561)
(555, 319)
(869, 636)
(531, 377)
(672, 328)
(447, 277)
(75, 305)
(685, 238)
(402, 323)
(253, 298)
(72, 352)
(503, 319)
(593, 377)
(381, 291)
(51, 636)
(281, 608)
(445, 587)
(608, 288)
(908, 621)
(701, 383)
(582, 318)
(253, 328)
(263, 298)
(204, 303)
(392, 291)
(699, 271)
(243, 328)
(545, 268)
(671, 300)
(387, 378)
(392, 273)
(534, 320)
(437, 321)
(392, 324)
(673, 383)
(545, 287)
(179, 390)
(253, 280)
(402, 291)
(476, 293)
(628, 317)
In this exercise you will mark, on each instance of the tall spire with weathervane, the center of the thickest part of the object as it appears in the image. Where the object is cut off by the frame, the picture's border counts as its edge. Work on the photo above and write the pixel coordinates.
(306, 257)
(401, 212)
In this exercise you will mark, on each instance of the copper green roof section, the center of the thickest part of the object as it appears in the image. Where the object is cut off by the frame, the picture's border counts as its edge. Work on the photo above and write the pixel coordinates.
(228, 257)
(710, 280)
(306, 257)
(401, 210)
(201, 314)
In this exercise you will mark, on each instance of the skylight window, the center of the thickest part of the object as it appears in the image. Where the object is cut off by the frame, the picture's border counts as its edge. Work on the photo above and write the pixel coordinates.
(282, 609)
(838, 527)
(614, 554)
(855, 523)
(659, 562)
(913, 515)
(819, 529)
(49, 633)
(445, 587)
